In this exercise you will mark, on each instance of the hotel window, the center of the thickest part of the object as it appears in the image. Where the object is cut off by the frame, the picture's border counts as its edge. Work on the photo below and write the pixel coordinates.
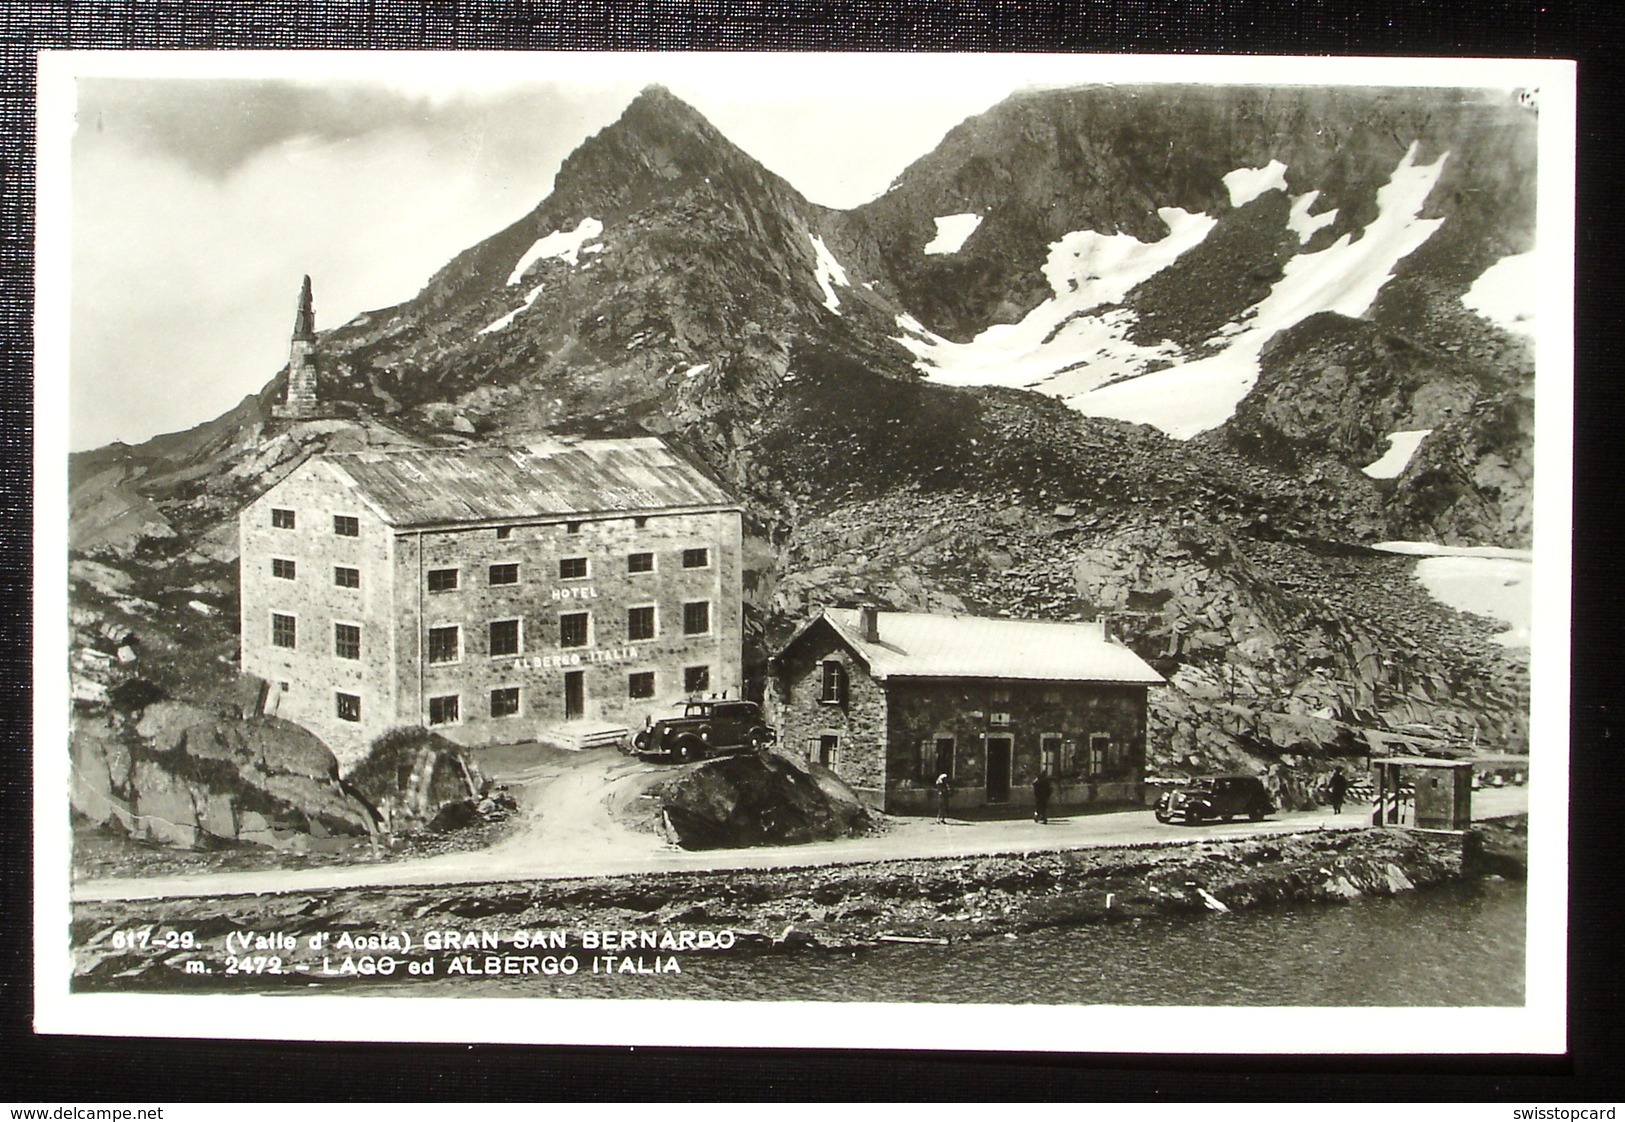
(833, 688)
(445, 644)
(640, 562)
(347, 640)
(349, 706)
(346, 577)
(442, 580)
(696, 558)
(504, 574)
(282, 631)
(640, 623)
(443, 710)
(505, 701)
(697, 617)
(347, 525)
(640, 685)
(572, 568)
(282, 568)
(573, 629)
(281, 518)
(696, 679)
(504, 638)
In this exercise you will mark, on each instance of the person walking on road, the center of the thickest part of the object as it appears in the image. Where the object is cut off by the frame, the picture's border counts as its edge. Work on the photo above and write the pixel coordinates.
(944, 787)
(1337, 789)
(1041, 790)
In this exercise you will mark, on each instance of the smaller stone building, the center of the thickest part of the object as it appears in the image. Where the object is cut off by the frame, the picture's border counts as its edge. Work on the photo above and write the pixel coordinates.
(890, 700)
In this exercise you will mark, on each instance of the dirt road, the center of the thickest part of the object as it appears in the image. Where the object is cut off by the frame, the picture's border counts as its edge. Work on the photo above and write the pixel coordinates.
(565, 831)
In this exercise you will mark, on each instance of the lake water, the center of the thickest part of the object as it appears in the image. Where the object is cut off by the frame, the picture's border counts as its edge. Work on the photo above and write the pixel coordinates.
(1460, 945)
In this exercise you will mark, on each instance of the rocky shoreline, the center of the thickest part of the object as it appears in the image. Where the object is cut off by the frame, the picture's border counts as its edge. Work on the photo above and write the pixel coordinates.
(299, 940)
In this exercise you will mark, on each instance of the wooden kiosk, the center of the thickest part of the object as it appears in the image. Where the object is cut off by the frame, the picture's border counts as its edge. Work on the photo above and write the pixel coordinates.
(1423, 793)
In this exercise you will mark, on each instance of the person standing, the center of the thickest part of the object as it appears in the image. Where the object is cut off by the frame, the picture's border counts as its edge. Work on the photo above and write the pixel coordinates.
(1041, 791)
(944, 787)
(1337, 789)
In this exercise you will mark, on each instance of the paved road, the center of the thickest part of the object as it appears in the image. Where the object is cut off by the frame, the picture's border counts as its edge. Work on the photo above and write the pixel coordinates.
(534, 851)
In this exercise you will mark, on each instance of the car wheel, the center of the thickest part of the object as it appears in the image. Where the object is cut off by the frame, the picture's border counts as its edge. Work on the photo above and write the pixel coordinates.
(1193, 817)
(758, 740)
(690, 750)
(1256, 813)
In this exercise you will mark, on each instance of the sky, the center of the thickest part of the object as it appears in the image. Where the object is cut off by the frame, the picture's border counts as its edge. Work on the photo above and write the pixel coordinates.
(197, 203)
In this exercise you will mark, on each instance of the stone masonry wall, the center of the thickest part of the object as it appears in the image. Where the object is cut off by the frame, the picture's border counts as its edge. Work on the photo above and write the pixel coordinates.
(306, 679)
(802, 718)
(967, 711)
(542, 596)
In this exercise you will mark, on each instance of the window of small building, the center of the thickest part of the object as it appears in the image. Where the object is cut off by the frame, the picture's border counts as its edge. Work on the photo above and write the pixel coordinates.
(504, 574)
(937, 757)
(1099, 753)
(283, 631)
(505, 701)
(697, 617)
(442, 580)
(281, 518)
(347, 640)
(572, 527)
(829, 747)
(640, 521)
(640, 622)
(346, 577)
(282, 568)
(445, 644)
(573, 629)
(640, 685)
(504, 637)
(444, 710)
(1049, 753)
(348, 705)
(504, 533)
(696, 679)
(347, 525)
(832, 687)
(640, 562)
(696, 558)
(572, 568)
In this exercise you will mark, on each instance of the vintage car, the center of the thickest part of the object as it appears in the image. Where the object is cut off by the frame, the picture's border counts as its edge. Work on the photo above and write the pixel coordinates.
(1219, 796)
(704, 729)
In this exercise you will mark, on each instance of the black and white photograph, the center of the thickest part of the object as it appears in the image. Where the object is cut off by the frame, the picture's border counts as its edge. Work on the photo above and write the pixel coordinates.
(1048, 553)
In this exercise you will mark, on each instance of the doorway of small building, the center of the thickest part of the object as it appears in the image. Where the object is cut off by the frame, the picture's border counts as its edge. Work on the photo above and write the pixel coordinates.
(998, 768)
(828, 747)
(575, 694)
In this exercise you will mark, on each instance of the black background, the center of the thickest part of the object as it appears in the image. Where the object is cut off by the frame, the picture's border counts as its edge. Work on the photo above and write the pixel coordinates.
(87, 1070)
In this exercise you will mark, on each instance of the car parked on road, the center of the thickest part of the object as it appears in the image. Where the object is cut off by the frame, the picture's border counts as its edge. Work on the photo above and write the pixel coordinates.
(1218, 796)
(706, 728)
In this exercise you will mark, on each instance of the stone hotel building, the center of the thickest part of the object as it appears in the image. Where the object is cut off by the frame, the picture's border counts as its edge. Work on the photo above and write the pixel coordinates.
(491, 594)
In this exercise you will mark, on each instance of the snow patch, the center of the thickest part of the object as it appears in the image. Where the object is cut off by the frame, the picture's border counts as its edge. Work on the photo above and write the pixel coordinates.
(1486, 581)
(952, 232)
(697, 370)
(1401, 447)
(828, 272)
(1304, 224)
(504, 321)
(1505, 294)
(566, 245)
(1246, 184)
(1051, 346)
(1345, 277)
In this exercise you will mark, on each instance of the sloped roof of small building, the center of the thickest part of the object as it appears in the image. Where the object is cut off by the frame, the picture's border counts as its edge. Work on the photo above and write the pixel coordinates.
(922, 645)
(440, 486)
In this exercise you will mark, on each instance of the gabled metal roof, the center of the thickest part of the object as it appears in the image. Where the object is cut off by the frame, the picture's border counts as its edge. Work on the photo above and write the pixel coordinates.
(920, 645)
(447, 486)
